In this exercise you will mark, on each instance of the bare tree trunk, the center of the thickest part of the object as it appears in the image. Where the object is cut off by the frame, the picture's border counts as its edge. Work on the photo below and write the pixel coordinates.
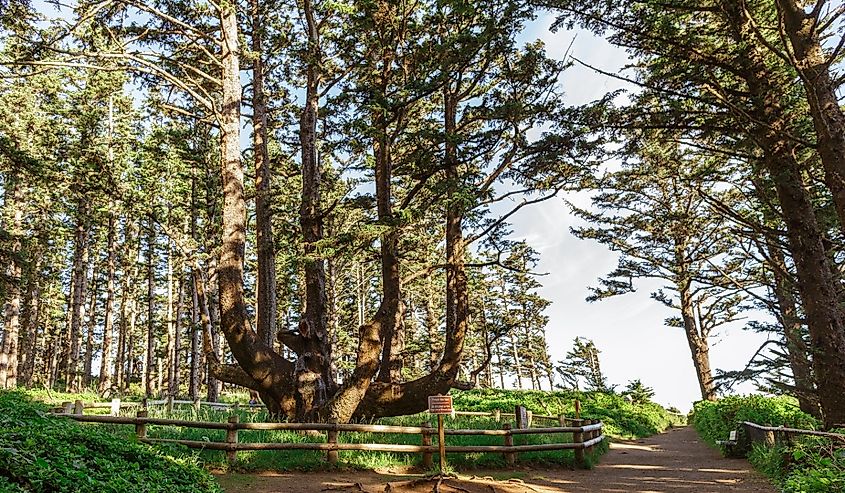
(517, 364)
(108, 324)
(92, 327)
(390, 369)
(266, 276)
(313, 374)
(11, 333)
(698, 344)
(177, 338)
(171, 360)
(79, 286)
(431, 325)
(149, 340)
(260, 367)
(31, 335)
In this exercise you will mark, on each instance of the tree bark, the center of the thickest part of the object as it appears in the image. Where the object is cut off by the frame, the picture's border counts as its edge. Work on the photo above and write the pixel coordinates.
(11, 333)
(267, 371)
(817, 283)
(91, 329)
(828, 118)
(108, 323)
(79, 286)
(266, 275)
(149, 340)
(31, 335)
(697, 340)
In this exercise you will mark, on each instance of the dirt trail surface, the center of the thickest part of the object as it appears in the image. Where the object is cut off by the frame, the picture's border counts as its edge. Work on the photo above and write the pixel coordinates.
(675, 461)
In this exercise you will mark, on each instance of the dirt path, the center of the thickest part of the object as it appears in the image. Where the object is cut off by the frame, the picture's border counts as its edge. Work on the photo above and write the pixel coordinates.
(675, 461)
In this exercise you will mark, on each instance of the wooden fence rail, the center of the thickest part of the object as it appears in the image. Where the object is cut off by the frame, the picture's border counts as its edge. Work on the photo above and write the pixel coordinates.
(586, 435)
(770, 434)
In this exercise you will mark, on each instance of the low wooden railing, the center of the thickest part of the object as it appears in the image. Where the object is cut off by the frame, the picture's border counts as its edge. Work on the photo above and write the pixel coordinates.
(771, 434)
(586, 434)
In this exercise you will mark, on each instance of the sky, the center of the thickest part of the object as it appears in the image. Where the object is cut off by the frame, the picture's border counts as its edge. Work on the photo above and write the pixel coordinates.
(629, 330)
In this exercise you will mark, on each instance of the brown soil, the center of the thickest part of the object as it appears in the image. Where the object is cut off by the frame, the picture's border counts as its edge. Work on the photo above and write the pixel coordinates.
(675, 461)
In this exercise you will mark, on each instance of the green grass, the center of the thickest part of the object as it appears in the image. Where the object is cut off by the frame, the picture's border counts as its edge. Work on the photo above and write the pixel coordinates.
(805, 465)
(39, 453)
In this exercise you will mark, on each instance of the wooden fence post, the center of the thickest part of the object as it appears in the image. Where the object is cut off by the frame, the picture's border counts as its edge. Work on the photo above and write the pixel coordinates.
(67, 407)
(232, 440)
(510, 457)
(590, 435)
(331, 437)
(497, 415)
(115, 407)
(530, 416)
(140, 426)
(78, 407)
(428, 456)
(561, 420)
(578, 437)
(169, 404)
(521, 417)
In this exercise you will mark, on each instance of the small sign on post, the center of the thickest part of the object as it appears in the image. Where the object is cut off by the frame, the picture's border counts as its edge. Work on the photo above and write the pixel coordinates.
(441, 405)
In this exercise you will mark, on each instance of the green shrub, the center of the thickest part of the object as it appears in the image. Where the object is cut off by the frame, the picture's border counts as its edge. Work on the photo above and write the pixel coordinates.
(41, 453)
(714, 420)
(621, 419)
(805, 465)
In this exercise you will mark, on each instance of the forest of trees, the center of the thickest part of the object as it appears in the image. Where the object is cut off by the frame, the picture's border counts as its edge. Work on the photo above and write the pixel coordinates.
(312, 199)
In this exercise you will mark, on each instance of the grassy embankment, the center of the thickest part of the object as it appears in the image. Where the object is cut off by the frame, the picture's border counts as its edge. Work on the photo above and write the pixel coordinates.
(621, 419)
(39, 453)
(808, 465)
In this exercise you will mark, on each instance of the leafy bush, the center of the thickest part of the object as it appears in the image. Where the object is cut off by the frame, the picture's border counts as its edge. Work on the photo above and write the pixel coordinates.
(41, 453)
(714, 420)
(621, 419)
(805, 465)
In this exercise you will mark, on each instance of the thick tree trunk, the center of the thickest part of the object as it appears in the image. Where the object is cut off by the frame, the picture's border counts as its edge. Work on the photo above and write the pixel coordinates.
(11, 333)
(260, 367)
(817, 283)
(698, 344)
(314, 380)
(391, 399)
(79, 287)
(390, 369)
(108, 323)
(266, 275)
(793, 329)
(828, 117)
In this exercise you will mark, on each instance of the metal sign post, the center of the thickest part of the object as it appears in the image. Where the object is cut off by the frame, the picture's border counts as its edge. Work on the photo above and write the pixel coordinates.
(440, 405)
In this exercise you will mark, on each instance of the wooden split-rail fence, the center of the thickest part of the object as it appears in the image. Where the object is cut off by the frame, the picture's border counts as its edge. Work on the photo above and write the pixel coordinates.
(771, 435)
(586, 434)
